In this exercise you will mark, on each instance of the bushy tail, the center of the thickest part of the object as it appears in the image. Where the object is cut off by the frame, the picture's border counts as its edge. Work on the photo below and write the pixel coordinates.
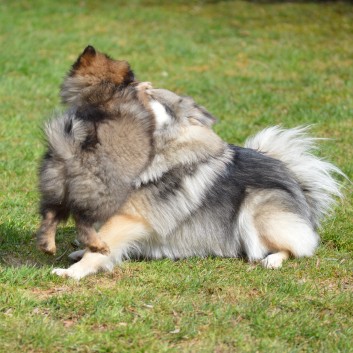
(64, 135)
(294, 148)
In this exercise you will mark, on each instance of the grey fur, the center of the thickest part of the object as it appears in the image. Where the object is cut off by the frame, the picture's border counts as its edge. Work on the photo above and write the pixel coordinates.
(209, 224)
(95, 150)
(94, 181)
(200, 196)
(90, 165)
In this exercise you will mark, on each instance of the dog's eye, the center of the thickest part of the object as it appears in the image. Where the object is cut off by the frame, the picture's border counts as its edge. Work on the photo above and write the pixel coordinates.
(195, 121)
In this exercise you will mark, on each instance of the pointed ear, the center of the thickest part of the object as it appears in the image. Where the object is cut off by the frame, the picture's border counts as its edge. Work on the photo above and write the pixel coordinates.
(89, 51)
(88, 54)
(84, 59)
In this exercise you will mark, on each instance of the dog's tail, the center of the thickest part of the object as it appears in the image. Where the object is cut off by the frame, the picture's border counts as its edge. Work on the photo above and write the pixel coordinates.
(295, 149)
(65, 134)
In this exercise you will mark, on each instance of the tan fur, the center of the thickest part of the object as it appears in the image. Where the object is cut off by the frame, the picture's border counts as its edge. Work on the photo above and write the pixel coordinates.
(46, 234)
(261, 223)
(280, 231)
(123, 228)
(99, 68)
(117, 232)
(84, 82)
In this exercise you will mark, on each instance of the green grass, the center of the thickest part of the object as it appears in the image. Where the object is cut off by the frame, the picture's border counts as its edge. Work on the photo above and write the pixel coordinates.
(252, 64)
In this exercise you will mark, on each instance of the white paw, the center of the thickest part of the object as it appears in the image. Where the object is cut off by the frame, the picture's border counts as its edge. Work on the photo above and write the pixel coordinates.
(272, 261)
(62, 272)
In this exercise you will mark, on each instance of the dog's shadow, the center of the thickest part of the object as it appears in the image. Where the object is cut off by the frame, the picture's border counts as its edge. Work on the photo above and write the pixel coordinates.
(18, 247)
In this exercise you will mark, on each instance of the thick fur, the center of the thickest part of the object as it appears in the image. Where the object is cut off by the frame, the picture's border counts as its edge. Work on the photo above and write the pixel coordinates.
(200, 196)
(95, 150)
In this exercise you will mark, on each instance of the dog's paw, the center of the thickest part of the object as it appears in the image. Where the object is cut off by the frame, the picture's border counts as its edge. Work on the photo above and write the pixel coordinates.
(47, 247)
(144, 86)
(99, 246)
(272, 261)
(62, 272)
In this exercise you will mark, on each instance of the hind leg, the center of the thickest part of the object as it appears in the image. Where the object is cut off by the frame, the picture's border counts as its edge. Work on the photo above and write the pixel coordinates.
(272, 229)
(47, 230)
(52, 205)
(285, 234)
(120, 233)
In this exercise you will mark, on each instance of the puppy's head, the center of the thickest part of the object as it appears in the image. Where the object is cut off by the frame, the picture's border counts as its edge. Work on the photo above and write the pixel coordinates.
(91, 70)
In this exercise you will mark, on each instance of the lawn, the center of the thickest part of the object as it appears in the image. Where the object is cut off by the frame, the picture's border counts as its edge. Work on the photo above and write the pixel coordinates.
(252, 64)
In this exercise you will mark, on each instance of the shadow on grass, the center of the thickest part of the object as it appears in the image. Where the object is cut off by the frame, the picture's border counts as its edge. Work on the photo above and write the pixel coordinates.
(18, 247)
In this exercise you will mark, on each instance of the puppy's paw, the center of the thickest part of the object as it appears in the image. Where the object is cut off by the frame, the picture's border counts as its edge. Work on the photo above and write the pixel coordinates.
(144, 86)
(62, 272)
(47, 247)
(99, 246)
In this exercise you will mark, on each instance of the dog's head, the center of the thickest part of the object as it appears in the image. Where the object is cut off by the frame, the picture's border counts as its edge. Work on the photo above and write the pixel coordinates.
(178, 111)
(183, 135)
(181, 121)
(94, 71)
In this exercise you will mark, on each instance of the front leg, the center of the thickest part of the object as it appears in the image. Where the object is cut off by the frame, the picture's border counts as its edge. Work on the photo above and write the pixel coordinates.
(143, 93)
(91, 263)
(89, 237)
(120, 233)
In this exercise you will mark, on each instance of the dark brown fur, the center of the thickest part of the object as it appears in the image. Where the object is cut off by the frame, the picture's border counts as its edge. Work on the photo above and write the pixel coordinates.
(95, 150)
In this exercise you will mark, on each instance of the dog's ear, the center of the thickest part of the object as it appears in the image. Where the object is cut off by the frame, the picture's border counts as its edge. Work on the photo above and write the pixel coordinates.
(196, 113)
(89, 50)
(87, 56)
(85, 59)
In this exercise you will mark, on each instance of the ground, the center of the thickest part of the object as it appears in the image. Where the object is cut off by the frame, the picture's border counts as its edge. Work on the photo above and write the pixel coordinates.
(252, 64)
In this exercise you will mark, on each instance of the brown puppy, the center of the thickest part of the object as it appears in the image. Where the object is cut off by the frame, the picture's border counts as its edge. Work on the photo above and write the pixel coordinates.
(95, 150)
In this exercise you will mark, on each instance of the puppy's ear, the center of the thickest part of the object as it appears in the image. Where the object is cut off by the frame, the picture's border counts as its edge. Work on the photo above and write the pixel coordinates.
(85, 59)
(89, 50)
(87, 56)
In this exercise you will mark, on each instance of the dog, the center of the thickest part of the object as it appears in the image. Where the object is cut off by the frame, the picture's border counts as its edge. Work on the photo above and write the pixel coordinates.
(200, 196)
(95, 149)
